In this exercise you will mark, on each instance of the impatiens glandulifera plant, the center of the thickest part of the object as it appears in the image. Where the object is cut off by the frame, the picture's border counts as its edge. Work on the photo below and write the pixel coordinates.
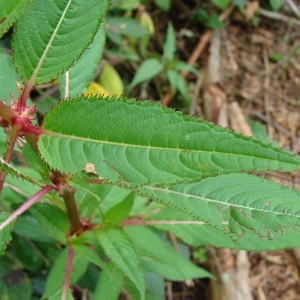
(105, 180)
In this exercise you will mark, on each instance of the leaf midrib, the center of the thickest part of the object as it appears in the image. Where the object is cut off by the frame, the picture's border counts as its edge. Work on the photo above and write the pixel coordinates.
(34, 74)
(84, 139)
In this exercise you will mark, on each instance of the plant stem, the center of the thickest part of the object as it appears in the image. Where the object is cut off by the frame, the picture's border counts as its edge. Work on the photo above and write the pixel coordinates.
(25, 94)
(8, 154)
(27, 205)
(68, 196)
(67, 274)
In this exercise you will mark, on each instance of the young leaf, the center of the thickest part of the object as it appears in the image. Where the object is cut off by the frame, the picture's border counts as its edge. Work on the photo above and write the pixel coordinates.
(110, 283)
(10, 11)
(170, 43)
(14, 172)
(240, 200)
(5, 233)
(121, 251)
(147, 70)
(56, 277)
(52, 219)
(74, 82)
(61, 29)
(158, 258)
(141, 142)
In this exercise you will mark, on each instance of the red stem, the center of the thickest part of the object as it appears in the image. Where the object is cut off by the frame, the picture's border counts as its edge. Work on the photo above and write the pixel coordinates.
(8, 154)
(27, 205)
(67, 274)
(25, 94)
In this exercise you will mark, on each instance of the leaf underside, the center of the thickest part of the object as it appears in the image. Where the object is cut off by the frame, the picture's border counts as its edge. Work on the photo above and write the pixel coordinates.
(233, 203)
(62, 29)
(142, 142)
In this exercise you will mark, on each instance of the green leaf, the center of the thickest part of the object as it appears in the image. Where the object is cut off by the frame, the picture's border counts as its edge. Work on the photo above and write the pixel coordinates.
(159, 258)
(163, 4)
(14, 284)
(125, 26)
(141, 142)
(89, 254)
(10, 11)
(147, 70)
(170, 43)
(28, 253)
(120, 211)
(110, 283)
(234, 202)
(56, 276)
(240, 3)
(28, 227)
(221, 3)
(74, 82)
(183, 66)
(8, 78)
(58, 295)
(52, 219)
(61, 29)
(275, 4)
(122, 253)
(177, 83)
(14, 172)
(35, 161)
(5, 233)
(197, 233)
(213, 22)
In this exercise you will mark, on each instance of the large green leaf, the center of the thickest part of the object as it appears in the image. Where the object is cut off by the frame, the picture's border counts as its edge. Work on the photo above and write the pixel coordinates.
(141, 142)
(110, 283)
(157, 257)
(234, 202)
(10, 11)
(122, 253)
(5, 233)
(52, 34)
(74, 82)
